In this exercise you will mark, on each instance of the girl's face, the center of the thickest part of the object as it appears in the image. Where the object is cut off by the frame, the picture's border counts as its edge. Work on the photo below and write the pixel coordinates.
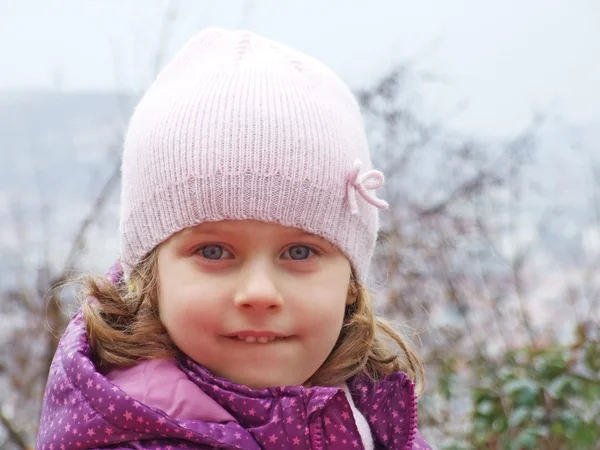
(257, 303)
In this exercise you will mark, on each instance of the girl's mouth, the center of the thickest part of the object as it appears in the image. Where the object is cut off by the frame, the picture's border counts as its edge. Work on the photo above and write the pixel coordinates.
(258, 337)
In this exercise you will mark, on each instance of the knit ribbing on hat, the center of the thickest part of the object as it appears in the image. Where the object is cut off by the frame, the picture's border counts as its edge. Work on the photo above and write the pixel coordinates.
(239, 127)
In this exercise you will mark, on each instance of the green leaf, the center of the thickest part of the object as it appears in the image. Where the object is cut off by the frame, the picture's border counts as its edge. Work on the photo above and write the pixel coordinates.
(481, 430)
(592, 357)
(481, 425)
(590, 393)
(527, 439)
(568, 419)
(446, 383)
(521, 384)
(486, 408)
(586, 435)
(538, 413)
(480, 394)
(558, 429)
(541, 431)
(558, 386)
(500, 425)
(518, 416)
(551, 364)
(523, 391)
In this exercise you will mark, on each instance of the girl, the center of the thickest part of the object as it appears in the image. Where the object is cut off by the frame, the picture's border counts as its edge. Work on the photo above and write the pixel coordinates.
(237, 317)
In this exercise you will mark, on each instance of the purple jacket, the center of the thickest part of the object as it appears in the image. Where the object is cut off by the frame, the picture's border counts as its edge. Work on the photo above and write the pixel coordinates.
(82, 409)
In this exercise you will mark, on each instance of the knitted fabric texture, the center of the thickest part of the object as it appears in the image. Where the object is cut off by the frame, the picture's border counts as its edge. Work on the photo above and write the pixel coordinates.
(239, 127)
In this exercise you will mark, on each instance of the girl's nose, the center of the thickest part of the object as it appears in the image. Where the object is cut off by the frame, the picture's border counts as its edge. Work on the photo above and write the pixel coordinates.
(257, 290)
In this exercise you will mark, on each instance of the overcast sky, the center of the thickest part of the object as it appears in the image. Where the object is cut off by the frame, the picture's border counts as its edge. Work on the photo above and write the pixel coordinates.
(504, 57)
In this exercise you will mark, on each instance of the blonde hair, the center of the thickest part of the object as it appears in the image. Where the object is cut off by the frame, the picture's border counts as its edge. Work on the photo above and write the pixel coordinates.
(124, 327)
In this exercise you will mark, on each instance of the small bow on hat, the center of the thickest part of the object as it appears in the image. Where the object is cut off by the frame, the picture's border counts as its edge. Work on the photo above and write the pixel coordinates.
(363, 183)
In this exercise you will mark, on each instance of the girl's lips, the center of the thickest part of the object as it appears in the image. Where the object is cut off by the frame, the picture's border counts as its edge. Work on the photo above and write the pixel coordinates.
(256, 334)
(261, 337)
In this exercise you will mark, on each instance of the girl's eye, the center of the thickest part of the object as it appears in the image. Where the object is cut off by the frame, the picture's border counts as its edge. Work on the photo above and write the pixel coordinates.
(213, 251)
(299, 252)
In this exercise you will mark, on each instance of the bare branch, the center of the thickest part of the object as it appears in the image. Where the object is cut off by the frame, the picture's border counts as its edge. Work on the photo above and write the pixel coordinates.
(92, 215)
(465, 190)
(12, 432)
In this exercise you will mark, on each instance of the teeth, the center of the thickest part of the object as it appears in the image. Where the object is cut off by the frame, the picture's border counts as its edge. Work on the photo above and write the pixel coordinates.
(260, 340)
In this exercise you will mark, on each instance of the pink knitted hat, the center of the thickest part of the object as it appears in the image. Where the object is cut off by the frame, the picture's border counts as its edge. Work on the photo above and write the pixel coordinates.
(240, 127)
